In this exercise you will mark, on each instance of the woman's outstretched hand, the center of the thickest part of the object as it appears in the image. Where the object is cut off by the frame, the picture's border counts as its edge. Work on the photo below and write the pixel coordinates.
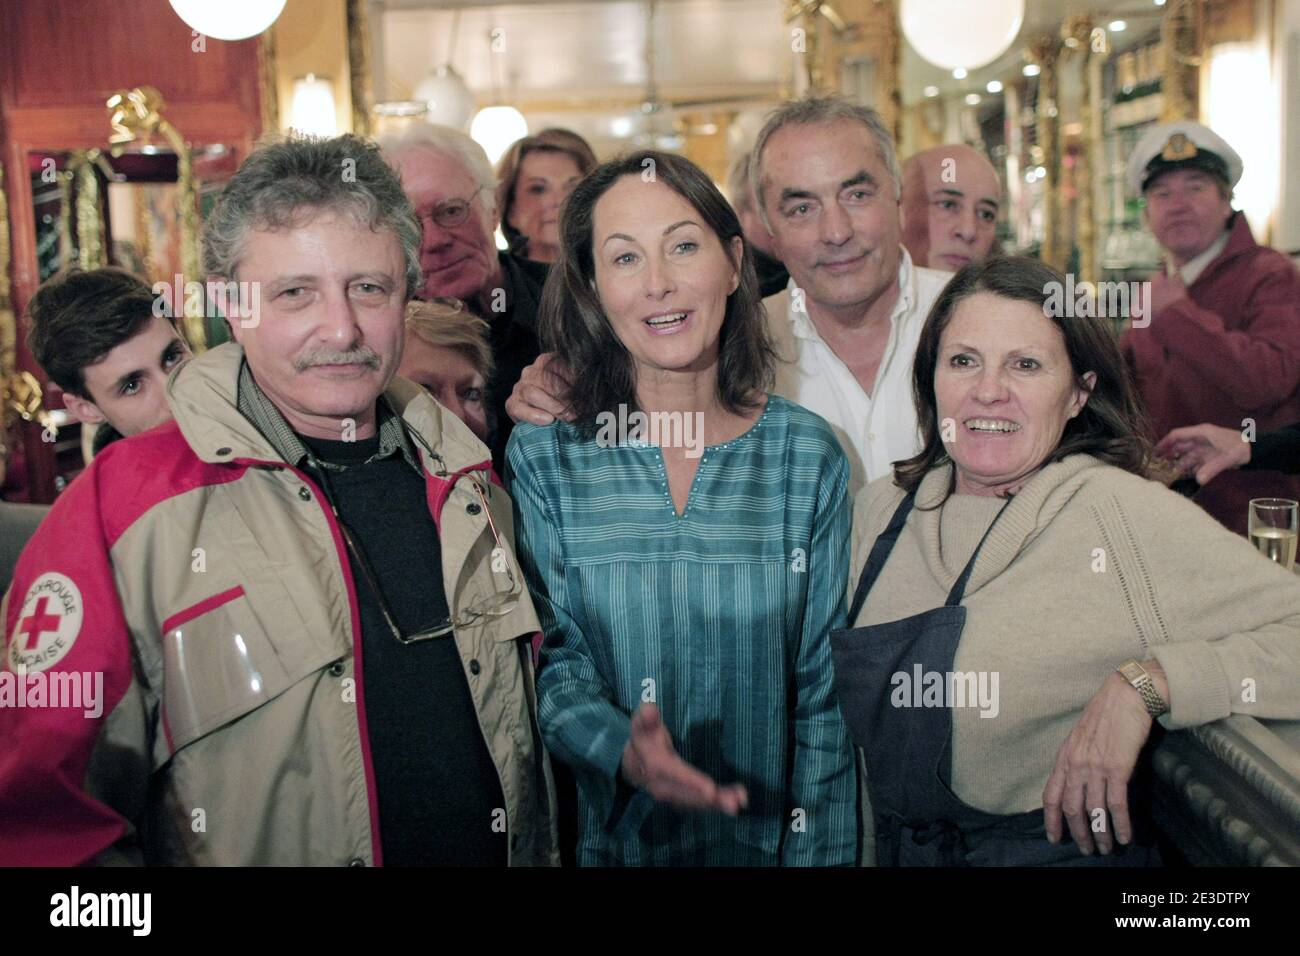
(651, 763)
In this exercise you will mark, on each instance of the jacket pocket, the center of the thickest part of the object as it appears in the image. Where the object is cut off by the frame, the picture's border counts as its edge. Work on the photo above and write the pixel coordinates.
(220, 662)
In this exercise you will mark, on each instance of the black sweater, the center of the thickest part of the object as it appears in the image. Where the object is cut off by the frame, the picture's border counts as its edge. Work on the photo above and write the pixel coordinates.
(1277, 451)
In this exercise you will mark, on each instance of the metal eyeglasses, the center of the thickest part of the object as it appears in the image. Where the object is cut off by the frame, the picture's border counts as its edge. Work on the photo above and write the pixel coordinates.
(451, 213)
(499, 603)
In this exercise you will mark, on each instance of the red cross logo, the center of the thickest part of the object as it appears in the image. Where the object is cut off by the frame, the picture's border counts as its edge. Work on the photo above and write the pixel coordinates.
(38, 623)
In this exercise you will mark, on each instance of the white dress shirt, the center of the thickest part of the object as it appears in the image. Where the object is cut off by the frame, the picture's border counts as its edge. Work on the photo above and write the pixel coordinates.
(1191, 269)
(875, 430)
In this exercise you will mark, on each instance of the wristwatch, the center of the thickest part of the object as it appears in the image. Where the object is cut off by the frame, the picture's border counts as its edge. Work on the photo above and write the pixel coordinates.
(1137, 675)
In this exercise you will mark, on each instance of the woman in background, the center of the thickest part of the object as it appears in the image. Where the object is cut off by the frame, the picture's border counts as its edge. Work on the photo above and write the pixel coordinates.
(446, 351)
(534, 178)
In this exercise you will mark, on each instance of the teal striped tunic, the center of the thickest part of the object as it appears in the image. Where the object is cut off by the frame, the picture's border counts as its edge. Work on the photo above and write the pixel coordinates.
(719, 616)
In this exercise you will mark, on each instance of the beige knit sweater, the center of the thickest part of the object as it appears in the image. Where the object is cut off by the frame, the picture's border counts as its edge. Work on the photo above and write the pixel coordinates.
(1089, 566)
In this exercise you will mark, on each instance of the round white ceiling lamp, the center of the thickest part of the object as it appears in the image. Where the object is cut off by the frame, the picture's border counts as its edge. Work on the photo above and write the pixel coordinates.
(447, 96)
(229, 19)
(495, 128)
(968, 35)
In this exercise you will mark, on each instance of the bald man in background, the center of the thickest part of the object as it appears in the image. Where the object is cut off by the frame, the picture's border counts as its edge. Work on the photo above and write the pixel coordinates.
(951, 196)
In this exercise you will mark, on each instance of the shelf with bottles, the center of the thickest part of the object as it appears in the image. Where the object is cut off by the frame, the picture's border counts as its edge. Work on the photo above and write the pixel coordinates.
(1134, 113)
(1132, 100)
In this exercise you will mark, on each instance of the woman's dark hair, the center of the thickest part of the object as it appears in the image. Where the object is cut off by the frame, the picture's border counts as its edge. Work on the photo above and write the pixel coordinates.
(1111, 425)
(79, 316)
(573, 324)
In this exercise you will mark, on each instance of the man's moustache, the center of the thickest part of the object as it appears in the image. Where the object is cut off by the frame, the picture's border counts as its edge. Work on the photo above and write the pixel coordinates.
(356, 357)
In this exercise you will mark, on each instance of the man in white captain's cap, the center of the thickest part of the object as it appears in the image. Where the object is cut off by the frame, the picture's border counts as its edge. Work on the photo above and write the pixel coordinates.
(1223, 342)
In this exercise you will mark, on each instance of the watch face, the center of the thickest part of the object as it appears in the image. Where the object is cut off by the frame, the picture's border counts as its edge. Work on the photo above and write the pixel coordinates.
(1132, 671)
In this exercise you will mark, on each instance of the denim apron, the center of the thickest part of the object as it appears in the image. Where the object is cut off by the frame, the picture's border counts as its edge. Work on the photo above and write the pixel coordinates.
(919, 821)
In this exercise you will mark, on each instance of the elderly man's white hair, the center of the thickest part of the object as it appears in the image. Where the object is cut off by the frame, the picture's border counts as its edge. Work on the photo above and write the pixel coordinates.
(449, 141)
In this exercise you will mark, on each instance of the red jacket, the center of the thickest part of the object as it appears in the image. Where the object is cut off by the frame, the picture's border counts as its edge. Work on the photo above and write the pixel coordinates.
(187, 617)
(1228, 352)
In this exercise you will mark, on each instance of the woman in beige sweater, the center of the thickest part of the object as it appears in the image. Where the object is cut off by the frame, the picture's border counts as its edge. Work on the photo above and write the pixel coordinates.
(1026, 603)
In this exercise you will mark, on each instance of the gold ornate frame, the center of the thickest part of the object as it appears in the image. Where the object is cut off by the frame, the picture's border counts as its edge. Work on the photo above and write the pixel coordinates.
(20, 392)
(136, 115)
(8, 320)
(359, 78)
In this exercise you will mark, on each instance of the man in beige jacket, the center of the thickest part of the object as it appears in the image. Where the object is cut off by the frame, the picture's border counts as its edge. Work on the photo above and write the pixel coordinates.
(288, 627)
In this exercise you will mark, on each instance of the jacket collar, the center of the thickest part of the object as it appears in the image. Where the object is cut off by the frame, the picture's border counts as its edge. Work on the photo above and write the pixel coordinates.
(203, 395)
(257, 407)
(1240, 242)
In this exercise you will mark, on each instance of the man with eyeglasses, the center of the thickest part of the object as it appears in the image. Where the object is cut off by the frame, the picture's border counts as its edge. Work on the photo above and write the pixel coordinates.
(293, 617)
(449, 180)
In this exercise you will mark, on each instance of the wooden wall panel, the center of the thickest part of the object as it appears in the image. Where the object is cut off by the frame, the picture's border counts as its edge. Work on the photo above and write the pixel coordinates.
(59, 61)
(63, 52)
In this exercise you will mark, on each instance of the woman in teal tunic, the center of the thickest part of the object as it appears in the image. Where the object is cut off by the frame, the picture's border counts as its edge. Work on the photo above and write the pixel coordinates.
(685, 542)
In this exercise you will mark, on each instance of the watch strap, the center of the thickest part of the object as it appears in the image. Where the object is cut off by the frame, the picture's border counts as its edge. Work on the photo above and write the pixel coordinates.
(1136, 675)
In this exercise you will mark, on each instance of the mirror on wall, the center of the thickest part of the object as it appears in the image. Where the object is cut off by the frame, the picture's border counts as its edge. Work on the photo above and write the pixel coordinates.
(92, 208)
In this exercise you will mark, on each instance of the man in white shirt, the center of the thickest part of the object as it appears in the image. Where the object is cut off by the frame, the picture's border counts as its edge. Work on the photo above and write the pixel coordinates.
(828, 186)
(827, 182)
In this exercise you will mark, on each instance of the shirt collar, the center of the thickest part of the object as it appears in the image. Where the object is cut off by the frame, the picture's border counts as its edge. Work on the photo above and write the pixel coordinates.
(803, 327)
(1192, 269)
(254, 405)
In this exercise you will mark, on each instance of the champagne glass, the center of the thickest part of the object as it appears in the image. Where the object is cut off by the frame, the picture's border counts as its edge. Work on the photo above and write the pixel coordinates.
(1273, 529)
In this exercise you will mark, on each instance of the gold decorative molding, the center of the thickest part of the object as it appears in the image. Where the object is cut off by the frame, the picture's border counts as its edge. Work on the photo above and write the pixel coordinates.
(822, 60)
(90, 222)
(136, 115)
(359, 65)
(79, 199)
(8, 320)
(805, 11)
(23, 399)
(1181, 35)
(268, 93)
(64, 183)
(1089, 43)
(891, 67)
(839, 32)
(1045, 50)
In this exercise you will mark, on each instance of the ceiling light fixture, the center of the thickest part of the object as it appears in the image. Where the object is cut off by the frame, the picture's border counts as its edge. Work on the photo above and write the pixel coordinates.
(230, 19)
(958, 33)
